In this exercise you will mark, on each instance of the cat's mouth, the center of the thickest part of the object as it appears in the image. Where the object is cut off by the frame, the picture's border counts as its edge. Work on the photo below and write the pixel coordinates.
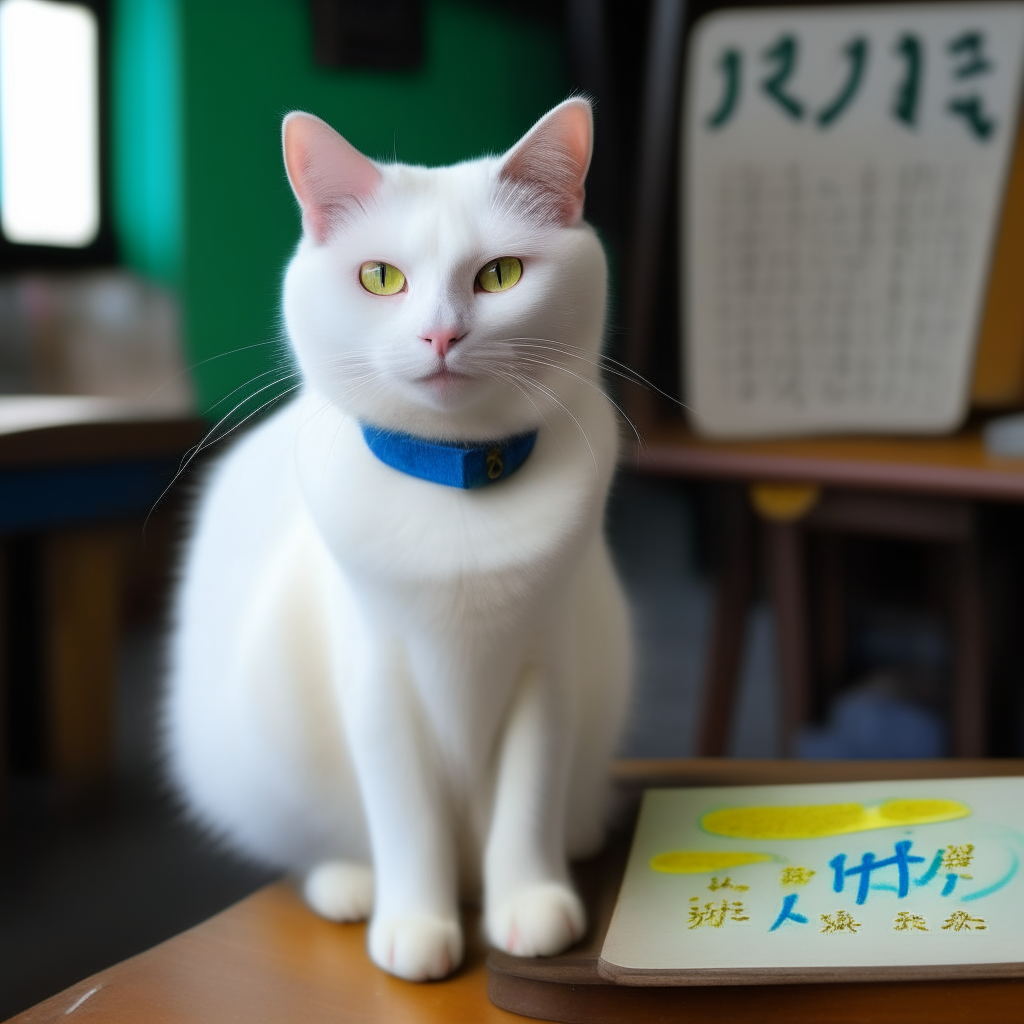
(445, 388)
(444, 377)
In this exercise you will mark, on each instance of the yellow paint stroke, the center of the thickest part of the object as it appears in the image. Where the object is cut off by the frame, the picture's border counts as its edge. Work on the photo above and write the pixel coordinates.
(816, 821)
(697, 862)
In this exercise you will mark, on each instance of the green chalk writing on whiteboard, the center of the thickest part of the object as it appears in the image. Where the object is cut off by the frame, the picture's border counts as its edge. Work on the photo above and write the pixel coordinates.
(731, 64)
(968, 49)
(909, 92)
(857, 52)
(970, 45)
(966, 60)
(971, 109)
(784, 55)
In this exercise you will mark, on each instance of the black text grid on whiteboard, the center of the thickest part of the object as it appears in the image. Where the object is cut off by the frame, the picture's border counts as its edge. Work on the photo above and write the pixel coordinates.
(843, 178)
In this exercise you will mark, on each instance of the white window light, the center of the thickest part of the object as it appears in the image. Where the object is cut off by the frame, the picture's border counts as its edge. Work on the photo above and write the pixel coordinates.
(49, 123)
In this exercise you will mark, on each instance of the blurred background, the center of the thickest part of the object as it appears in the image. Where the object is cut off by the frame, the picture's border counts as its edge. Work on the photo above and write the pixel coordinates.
(145, 221)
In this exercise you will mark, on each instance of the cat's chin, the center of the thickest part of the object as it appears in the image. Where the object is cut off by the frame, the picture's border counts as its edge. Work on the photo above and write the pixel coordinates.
(482, 410)
(447, 392)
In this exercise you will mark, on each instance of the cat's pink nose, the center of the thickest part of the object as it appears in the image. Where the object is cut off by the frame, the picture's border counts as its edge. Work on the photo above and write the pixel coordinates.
(441, 340)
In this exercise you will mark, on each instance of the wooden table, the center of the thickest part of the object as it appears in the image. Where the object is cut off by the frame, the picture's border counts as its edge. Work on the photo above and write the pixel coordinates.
(73, 470)
(954, 466)
(267, 960)
(918, 488)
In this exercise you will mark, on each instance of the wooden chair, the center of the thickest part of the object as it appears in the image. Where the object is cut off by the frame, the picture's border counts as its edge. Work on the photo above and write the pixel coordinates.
(73, 471)
(789, 516)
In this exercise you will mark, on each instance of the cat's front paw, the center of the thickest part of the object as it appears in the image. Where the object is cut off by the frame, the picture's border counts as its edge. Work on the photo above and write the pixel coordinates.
(340, 890)
(540, 919)
(418, 948)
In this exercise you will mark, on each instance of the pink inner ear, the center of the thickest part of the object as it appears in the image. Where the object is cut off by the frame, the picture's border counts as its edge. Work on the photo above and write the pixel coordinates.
(327, 173)
(575, 124)
(552, 160)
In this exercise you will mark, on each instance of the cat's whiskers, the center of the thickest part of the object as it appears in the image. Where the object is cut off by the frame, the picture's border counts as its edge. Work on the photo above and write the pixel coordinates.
(349, 383)
(189, 371)
(534, 359)
(505, 378)
(508, 374)
(554, 398)
(211, 437)
(603, 362)
(496, 369)
(353, 383)
(598, 359)
(249, 383)
(585, 380)
(349, 386)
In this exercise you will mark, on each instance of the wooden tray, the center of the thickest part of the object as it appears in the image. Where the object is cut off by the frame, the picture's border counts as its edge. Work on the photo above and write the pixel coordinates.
(569, 987)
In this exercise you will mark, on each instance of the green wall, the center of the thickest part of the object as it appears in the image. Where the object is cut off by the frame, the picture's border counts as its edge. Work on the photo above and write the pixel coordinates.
(241, 65)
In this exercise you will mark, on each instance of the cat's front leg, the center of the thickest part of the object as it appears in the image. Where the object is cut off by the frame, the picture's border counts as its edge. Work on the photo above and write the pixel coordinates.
(531, 907)
(415, 931)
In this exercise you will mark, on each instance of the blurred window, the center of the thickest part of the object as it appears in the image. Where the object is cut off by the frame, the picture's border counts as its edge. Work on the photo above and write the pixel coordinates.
(50, 132)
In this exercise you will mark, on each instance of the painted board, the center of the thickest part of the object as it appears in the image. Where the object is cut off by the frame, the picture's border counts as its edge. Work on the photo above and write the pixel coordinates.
(843, 174)
(864, 880)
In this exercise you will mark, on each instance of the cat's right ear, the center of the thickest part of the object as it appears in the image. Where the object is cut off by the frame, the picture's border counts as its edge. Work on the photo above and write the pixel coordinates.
(328, 174)
(549, 164)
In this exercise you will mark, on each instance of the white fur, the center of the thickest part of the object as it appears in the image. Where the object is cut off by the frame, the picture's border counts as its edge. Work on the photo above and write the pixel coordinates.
(368, 668)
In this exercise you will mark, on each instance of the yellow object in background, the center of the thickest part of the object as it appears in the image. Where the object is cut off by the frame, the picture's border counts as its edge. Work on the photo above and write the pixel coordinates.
(784, 502)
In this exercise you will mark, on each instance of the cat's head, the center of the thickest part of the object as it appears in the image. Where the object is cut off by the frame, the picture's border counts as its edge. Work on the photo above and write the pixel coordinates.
(460, 301)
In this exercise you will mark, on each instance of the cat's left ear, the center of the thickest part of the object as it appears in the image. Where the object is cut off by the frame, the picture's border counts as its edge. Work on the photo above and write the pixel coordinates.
(327, 173)
(551, 160)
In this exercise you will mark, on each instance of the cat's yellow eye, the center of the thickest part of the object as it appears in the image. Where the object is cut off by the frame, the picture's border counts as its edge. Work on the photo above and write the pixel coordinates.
(381, 278)
(500, 275)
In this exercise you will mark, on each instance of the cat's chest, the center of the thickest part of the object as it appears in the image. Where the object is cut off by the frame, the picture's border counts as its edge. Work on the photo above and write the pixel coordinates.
(382, 523)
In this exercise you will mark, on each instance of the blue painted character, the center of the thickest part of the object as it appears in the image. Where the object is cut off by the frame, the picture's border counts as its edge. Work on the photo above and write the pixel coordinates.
(949, 859)
(933, 870)
(788, 913)
(901, 860)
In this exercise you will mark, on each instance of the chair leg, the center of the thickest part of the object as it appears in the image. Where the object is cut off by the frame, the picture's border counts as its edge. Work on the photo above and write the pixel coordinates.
(784, 544)
(830, 603)
(4, 670)
(968, 703)
(728, 628)
(82, 612)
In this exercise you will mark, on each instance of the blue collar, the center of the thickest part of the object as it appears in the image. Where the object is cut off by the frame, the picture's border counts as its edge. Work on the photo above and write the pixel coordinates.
(446, 462)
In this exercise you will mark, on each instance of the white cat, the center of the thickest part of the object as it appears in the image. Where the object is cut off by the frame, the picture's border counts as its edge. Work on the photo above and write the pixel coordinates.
(373, 668)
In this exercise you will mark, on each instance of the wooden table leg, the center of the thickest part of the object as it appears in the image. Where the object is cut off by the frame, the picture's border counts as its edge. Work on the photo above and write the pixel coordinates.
(728, 628)
(784, 549)
(80, 629)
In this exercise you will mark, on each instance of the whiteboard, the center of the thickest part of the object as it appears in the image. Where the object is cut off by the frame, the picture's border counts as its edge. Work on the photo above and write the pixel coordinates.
(843, 174)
